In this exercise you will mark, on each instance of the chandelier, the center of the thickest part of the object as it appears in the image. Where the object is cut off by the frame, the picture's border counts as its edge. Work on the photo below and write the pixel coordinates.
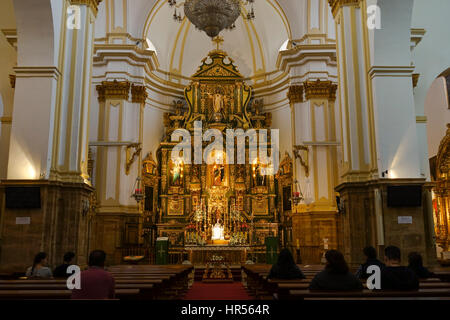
(213, 16)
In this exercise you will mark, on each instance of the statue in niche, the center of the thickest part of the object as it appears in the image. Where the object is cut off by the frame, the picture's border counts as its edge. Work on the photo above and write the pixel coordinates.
(260, 179)
(218, 174)
(176, 172)
(218, 103)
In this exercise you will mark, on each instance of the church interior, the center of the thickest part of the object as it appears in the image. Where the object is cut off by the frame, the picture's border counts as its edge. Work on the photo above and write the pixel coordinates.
(196, 139)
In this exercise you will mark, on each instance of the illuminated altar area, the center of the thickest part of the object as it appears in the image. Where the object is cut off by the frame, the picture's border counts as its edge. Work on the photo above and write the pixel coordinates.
(215, 205)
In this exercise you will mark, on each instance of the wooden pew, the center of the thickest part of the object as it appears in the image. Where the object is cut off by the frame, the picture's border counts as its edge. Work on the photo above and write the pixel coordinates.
(421, 293)
(152, 282)
(121, 294)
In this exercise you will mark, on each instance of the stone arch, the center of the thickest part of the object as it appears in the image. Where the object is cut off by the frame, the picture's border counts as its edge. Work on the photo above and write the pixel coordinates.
(37, 28)
(437, 112)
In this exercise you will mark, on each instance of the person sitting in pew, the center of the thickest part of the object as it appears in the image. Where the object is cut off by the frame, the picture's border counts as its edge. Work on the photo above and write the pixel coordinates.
(336, 275)
(39, 269)
(96, 283)
(416, 265)
(371, 255)
(61, 270)
(285, 268)
(394, 276)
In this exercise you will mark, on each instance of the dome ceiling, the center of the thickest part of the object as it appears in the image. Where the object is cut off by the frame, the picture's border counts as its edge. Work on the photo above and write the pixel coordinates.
(253, 45)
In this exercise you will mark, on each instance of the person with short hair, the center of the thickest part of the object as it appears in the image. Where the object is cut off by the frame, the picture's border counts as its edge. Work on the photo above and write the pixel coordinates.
(336, 276)
(416, 265)
(61, 270)
(96, 283)
(371, 259)
(39, 269)
(285, 268)
(394, 276)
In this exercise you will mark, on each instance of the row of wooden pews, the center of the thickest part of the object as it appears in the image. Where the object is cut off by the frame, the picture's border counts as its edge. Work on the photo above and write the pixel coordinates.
(261, 287)
(133, 282)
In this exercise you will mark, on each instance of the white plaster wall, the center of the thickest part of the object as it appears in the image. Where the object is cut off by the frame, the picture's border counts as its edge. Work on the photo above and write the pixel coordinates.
(153, 130)
(432, 55)
(281, 119)
(438, 114)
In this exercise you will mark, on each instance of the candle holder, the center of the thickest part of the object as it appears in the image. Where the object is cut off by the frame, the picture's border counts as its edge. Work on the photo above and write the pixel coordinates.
(138, 193)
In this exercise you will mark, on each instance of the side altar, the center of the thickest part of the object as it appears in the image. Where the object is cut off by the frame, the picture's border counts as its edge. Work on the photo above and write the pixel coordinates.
(215, 205)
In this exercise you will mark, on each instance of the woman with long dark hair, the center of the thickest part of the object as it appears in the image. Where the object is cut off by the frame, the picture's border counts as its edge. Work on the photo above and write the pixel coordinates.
(416, 265)
(336, 275)
(285, 268)
(39, 269)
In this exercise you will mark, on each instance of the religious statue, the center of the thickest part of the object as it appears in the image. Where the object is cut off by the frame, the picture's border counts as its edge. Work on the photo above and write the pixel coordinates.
(218, 105)
(217, 231)
(176, 173)
(219, 175)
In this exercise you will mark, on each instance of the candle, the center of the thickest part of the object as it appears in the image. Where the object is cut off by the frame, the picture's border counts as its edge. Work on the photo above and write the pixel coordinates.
(298, 244)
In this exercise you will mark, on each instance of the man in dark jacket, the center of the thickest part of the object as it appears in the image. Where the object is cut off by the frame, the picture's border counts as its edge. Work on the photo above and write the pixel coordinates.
(61, 270)
(394, 276)
(371, 260)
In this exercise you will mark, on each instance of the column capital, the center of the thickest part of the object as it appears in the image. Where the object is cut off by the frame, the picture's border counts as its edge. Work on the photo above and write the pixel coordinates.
(337, 4)
(138, 94)
(320, 90)
(295, 94)
(93, 4)
(113, 90)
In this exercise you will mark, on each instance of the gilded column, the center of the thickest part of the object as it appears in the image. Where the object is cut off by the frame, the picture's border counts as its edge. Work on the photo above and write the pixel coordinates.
(70, 151)
(322, 144)
(295, 96)
(358, 144)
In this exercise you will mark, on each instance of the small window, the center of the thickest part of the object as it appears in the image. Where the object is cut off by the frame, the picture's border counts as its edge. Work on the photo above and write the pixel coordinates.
(151, 46)
(285, 45)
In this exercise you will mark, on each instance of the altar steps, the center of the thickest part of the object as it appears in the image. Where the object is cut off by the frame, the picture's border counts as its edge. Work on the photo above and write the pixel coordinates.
(235, 271)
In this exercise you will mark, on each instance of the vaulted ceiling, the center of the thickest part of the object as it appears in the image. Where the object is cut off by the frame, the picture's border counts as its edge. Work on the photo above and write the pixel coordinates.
(254, 45)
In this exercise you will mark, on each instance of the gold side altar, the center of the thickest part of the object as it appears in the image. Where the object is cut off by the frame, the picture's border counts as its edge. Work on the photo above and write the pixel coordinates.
(215, 205)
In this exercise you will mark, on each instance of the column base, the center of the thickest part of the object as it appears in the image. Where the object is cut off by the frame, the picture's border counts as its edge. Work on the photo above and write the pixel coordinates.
(59, 224)
(368, 219)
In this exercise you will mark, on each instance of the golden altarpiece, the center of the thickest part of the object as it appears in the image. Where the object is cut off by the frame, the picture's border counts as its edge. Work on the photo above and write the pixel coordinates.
(441, 196)
(215, 206)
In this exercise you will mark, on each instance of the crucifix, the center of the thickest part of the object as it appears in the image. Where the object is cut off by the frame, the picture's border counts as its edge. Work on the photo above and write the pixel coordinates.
(218, 41)
(161, 252)
(271, 252)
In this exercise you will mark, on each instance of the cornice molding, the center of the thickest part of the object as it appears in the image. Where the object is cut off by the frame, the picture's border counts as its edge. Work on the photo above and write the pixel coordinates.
(295, 94)
(37, 72)
(93, 4)
(391, 71)
(113, 90)
(338, 4)
(138, 94)
(320, 90)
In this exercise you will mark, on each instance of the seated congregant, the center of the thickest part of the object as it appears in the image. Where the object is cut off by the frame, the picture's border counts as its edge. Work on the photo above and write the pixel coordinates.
(61, 270)
(394, 276)
(336, 275)
(39, 269)
(285, 268)
(96, 283)
(416, 265)
(371, 255)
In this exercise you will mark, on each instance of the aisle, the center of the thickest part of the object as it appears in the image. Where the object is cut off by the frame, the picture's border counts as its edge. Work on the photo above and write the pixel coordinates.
(217, 291)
